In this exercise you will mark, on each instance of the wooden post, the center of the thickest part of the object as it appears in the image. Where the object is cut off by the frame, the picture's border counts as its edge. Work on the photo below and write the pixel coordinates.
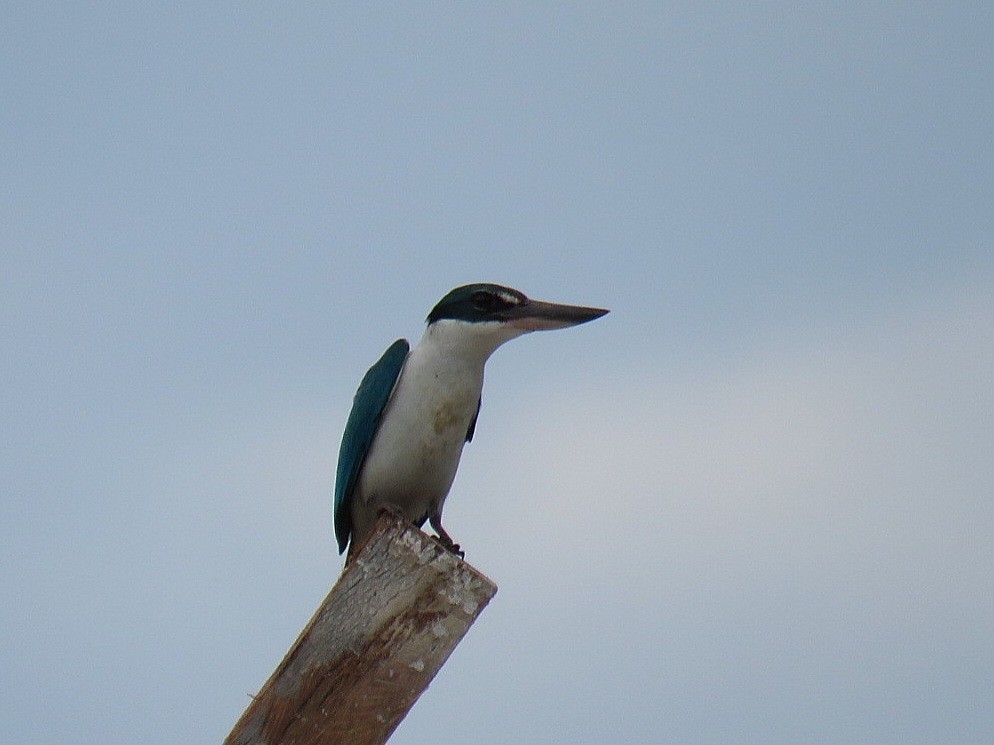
(371, 649)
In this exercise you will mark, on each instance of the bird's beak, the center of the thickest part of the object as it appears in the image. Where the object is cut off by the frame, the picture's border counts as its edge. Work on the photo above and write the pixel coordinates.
(535, 315)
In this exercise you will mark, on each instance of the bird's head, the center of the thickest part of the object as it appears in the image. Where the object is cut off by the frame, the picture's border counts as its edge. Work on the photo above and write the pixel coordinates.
(493, 304)
(483, 316)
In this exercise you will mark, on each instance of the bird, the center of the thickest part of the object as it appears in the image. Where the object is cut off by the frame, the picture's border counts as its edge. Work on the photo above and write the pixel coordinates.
(417, 407)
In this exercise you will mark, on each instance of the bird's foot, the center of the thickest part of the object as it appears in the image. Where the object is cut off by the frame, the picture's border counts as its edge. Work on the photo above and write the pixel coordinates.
(453, 548)
(448, 544)
(435, 518)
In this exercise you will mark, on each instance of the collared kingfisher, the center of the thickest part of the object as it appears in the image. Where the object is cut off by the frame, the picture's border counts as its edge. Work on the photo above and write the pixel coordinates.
(416, 408)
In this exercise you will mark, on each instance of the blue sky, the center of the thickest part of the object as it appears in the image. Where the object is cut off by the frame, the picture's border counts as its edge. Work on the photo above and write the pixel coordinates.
(752, 505)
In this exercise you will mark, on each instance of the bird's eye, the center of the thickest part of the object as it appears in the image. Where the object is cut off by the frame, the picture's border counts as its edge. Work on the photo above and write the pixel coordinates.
(484, 301)
(490, 301)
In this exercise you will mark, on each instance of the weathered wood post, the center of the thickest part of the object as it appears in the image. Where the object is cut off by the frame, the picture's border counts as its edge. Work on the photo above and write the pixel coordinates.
(372, 648)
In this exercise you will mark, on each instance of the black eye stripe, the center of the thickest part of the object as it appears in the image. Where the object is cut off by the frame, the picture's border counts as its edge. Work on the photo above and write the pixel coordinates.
(478, 302)
(485, 301)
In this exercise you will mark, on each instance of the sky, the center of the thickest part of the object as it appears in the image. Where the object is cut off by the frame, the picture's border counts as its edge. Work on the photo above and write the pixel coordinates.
(754, 504)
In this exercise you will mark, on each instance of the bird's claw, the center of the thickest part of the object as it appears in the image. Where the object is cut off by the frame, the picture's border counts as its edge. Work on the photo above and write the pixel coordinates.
(449, 545)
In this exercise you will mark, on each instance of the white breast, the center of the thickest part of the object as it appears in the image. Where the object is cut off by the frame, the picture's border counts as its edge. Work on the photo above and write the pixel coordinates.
(414, 456)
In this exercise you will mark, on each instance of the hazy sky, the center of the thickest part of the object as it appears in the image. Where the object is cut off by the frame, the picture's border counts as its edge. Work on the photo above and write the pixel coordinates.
(755, 504)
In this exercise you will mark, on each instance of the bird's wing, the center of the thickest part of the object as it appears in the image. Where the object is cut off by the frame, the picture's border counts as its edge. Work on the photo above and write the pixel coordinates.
(472, 424)
(364, 419)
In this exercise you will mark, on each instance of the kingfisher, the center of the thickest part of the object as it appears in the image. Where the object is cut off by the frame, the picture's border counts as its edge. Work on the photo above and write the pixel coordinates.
(416, 408)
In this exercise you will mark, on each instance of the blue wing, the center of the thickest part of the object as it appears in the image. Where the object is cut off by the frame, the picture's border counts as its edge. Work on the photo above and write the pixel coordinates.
(367, 408)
